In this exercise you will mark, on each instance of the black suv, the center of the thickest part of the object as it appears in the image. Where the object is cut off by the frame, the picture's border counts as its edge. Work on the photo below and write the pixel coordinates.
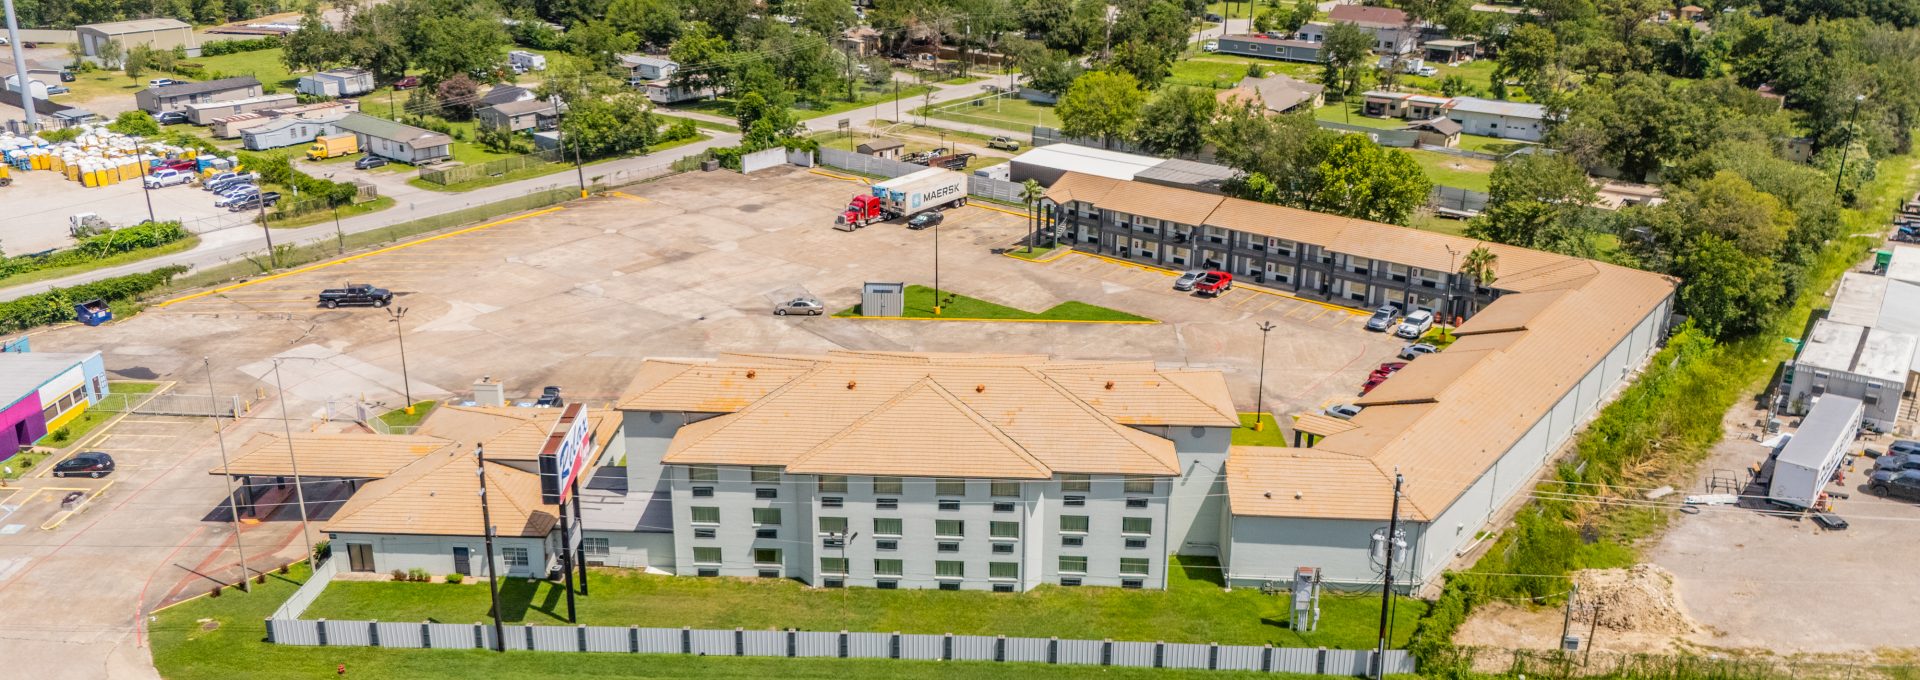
(356, 294)
(1890, 483)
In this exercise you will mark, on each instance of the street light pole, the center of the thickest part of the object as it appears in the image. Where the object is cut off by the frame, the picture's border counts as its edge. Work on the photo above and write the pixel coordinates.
(1260, 393)
(395, 314)
(293, 459)
(486, 530)
(232, 507)
(1848, 146)
(936, 269)
(20, 70)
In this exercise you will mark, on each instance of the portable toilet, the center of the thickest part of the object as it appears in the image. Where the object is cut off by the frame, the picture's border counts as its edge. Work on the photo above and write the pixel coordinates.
(75, 169)
(59, 164)
(88, 176)
(1882, 259)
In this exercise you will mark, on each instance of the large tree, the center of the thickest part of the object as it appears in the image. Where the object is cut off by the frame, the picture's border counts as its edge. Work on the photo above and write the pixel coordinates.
(705, 59)
(1175, 122)
(1359, 178)
(655, 22)
(1101, 104)
(1345, 57)
(1538, 201)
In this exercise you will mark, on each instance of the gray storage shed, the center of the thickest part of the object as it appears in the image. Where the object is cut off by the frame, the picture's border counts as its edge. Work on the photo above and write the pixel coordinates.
(883, 299)
(1809, 460)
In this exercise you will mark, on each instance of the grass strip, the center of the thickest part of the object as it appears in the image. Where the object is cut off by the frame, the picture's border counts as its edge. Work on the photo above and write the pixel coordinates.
(919, 304)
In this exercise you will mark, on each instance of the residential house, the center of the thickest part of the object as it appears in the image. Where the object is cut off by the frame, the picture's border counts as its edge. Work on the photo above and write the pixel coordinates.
(396, 141)
(905, 470)
(1541, 350)
(1450, 52)
(643, 67)
(176, 97)
(1276, 94)
(531, 114)
(159, 34)
(1388, 27)
(233, 126)
(1408, 105)
(861, 41)
(344, 82)
(283, 132)
(1437, 132)
(204, 113)
(501, 94)
(881, 148)
(1497, 118)
(1270, 47)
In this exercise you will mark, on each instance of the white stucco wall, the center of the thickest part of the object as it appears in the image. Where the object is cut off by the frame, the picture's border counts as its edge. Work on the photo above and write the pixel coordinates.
(435, 553)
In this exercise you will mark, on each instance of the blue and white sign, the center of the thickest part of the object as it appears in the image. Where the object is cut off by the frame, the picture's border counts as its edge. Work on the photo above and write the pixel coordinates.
(565, 455)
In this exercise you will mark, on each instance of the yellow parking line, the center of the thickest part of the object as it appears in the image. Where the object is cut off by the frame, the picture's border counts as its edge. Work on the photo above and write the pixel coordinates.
(1316, 317)
(1270, 305)
(55, 523)
(843, 178)
(628, 196)
(351, 258)
(994, 208)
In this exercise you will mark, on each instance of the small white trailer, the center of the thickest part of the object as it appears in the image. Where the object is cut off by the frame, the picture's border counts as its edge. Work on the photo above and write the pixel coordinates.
(1808, 461)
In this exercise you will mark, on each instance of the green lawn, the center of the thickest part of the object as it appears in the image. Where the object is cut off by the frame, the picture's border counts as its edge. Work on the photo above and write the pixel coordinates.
(119, 394)
(1193, 609)
(180, 246)
(1007, 113)
(1492, 145)
(1037, 253)
(1268, 435)
(529, 172)
(400, 418)
(223, 638)
(1454, 171)
(1348, 113)
(698, 123)
(919, 305)
(1222, 71)
(1442, 225)
(866, 97)
(312, 218)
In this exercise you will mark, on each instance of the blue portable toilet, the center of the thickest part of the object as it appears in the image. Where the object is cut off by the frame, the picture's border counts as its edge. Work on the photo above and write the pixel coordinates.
(93, 312)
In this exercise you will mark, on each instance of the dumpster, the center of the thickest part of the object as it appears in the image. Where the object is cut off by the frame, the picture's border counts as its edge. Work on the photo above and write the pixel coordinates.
(93, 312)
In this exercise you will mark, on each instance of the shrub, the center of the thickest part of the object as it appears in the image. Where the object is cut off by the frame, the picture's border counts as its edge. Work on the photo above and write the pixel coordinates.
(62, 434)
(419, 575)
(214, 49)
(399, 574)
(322, 550)
(26, 463)
(215, 592)
(54, 306)
(455, 577)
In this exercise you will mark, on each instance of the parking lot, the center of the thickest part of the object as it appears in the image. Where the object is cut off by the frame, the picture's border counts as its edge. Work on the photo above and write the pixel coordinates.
(40, 203)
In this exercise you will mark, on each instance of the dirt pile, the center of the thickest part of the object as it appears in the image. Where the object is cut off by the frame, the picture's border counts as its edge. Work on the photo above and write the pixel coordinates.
(1637, 599)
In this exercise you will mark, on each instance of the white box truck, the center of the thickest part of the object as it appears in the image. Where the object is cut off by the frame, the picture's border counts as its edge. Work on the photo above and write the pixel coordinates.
(903, 196)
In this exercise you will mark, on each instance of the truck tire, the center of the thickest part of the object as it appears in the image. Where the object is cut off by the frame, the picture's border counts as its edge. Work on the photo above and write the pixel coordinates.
(382, 302)
(330, 304)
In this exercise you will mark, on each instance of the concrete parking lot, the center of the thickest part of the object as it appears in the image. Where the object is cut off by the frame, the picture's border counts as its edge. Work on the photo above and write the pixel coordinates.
(40, 203)
(576, 296)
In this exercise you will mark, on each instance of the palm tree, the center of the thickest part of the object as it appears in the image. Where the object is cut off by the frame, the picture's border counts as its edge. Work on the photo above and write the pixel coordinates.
(1478, 266)
(1031, 193)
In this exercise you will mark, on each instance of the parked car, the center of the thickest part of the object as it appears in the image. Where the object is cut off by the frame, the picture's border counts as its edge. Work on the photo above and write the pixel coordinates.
(1427, 71)
(1415, 325)
(550, 397)
(1214, 283)
(167, 178)
(1891, 483)
(1905, 447)
(1186, 281)
(1211, 16)
(265, 200)
(407, 83)
(222, 181)
(363, 294)
(1417, 350)
(1382, 319)
(807, 305)
(95, 464)
(1210, 46)
(1372, 382)
(171, 117)
(181, 164)
(235, 195)
(163, 82)
(369, 162)
(57, 89)
(1389, 368)
(235, 188)
(1898, 461)
(926, 219)
(1342, 411)
(1004, 144)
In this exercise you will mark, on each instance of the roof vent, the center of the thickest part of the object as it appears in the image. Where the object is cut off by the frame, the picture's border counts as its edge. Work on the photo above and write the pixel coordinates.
(749, 374)
(1297, 495)
(1268, 494)
(1109, 384)
(980, 388)
(850, 384)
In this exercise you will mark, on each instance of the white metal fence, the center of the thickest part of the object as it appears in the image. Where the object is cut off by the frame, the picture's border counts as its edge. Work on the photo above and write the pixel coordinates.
(308, 592)
(840, 644)
(170, 404)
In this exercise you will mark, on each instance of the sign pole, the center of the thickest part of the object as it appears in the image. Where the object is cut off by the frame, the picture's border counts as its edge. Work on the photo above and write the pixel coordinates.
(566, 556)
(580, 550)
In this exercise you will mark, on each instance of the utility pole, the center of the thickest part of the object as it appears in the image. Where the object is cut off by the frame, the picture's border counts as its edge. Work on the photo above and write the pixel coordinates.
(1386, 584)
(1848, 146)
(395, 314)
(273, 257)
(486, 529)
(246, 581)
(146, 190)
(20, 72)
(1260, 393)
(339, 235)
(1566, 619)
(293, 459)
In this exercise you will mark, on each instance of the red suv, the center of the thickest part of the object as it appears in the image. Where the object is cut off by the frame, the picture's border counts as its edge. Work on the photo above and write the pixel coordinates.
(1214, 283)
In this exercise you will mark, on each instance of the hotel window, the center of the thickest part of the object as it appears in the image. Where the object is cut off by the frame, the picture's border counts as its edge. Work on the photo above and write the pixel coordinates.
(1005, 487)
(953, 528)
(1080, 483)
(833, 565)
(950, 487)
(772, 556)
(949, 569)
(703, 473)
(1134, 566)
(1003, 529)
(833, 483)
(887, 568)
(886, 485)
(766, 474)
(1139, 485)
(886, 526)
(1136, 525)
(833, 525)
(1068, 564)
(706, 555)
(766, 515)
(1003, 570)
(1073, 524)
(514, 557)
(706, 515)
(597, 546)
(1282, 246)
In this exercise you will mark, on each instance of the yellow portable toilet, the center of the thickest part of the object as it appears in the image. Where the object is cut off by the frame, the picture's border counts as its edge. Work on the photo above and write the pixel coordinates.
(40, 160)
(131, 167)
(59, 164)
(73, 170)
(121, 172)
(88, 177)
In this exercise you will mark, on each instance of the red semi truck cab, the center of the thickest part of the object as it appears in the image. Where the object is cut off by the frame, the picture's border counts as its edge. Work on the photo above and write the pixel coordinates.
(862, 210)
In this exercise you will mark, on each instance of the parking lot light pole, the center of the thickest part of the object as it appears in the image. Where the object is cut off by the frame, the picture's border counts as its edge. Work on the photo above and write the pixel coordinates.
(936, 269)
(233, 508)
(406, 383)
(299, 487)
(1260, 393)
(13, 40)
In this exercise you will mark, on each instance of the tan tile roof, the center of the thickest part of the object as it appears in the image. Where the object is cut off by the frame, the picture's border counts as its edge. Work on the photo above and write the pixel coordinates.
(1320, 424)
(1284, 482)
(329, 455)
(437, 496)
(1447, 417)
(512, 432)
(999, 414)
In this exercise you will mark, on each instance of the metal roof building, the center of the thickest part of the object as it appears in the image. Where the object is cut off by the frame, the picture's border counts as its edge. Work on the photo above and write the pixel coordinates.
(159, 34)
